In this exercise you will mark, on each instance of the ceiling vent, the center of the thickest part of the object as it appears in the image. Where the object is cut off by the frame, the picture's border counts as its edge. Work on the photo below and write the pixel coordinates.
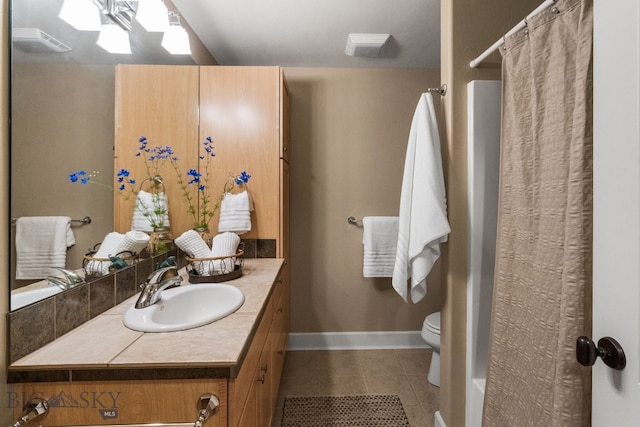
(36, 40)
(366, 45)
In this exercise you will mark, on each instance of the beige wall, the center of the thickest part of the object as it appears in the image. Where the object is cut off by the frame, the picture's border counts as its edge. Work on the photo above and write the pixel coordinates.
(468, 28)
(5, 418)
(349, 130)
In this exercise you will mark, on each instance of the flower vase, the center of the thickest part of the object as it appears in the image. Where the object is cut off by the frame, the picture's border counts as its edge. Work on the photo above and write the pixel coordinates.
(205, 234)
(160, 240)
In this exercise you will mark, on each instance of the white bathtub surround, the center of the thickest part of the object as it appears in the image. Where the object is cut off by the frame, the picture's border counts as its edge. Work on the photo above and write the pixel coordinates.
(380, 241)
(423, 223)
(483, 165)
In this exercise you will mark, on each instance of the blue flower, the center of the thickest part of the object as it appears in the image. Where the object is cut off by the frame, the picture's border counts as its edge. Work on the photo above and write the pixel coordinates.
(78, 176)
(243, 178)
(87, 178)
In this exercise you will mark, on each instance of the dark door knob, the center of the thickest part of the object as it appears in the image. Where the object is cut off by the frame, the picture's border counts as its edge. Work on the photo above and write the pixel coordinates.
(608, 349)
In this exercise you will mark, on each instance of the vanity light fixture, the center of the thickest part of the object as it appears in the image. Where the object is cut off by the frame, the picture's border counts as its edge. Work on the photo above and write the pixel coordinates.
(83, 15)
(86, 15)
(176, 39)
(114, 39)
(153, 15)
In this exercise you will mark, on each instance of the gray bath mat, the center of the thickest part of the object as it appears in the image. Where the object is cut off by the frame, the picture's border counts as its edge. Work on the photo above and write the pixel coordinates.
(344, 411)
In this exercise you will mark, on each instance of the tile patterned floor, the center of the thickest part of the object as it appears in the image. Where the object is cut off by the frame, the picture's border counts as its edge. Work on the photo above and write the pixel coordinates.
(345, 372)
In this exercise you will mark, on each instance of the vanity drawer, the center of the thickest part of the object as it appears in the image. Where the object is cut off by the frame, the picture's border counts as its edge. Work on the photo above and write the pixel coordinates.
(123, 402)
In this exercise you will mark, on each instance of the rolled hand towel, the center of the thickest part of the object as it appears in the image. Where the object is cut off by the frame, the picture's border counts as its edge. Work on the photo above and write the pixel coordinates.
(235, 213)
(108, 247)
(193, 245)
(134, 242)
(225, 244)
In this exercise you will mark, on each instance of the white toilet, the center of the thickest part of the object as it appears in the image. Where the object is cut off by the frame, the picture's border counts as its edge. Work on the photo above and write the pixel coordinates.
(431, 335)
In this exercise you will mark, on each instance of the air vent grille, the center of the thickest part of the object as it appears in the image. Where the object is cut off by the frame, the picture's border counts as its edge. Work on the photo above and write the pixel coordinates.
(36, 40)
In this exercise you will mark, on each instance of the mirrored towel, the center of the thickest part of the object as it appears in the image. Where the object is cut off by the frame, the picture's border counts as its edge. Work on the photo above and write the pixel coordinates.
(41, 245)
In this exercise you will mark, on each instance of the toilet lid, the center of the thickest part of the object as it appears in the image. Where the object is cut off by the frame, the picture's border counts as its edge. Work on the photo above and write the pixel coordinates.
(433, 321)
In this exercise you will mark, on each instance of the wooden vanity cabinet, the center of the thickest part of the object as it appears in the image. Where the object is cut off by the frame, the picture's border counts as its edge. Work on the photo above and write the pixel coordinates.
(253, 394)
(246, 400)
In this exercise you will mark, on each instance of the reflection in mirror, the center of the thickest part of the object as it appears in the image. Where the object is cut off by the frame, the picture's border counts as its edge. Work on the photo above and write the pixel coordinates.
(62, 121)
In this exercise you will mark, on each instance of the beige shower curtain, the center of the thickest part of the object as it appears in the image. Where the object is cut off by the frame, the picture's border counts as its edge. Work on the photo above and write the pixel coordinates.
(542, 291)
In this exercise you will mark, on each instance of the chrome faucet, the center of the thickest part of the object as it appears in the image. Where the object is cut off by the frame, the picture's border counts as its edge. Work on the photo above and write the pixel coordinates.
(158, 281)
(71, 279)
(33, 412)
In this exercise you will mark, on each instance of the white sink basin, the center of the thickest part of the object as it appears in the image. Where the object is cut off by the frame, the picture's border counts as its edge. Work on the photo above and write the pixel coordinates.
(186, 307)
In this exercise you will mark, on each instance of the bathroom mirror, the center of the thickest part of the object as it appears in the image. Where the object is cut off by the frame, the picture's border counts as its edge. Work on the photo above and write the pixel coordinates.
(62, 119)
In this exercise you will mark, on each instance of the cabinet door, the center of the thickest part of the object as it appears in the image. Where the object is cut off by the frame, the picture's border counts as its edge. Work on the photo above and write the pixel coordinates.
(250, 411)
(283, 237)
(161, 103)
(279, 335)
(240, 110)
(265, 406)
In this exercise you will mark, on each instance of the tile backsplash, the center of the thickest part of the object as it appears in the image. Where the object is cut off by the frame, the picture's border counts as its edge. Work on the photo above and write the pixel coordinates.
(38, 324)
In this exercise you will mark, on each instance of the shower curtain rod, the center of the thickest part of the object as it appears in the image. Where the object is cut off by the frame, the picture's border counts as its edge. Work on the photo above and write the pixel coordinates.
(520, 25)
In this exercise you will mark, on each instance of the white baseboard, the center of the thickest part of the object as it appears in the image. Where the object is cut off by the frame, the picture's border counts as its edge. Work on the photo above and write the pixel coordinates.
(439, 422)
(355, 340)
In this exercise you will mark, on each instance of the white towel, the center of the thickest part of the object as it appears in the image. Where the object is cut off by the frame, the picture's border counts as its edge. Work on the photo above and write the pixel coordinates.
(235, 213)
(110, 246)
(41, 245)
(380, 240)
(134, 242)
(193, 245)
(423, 223)
(145, 207)
(224, 244)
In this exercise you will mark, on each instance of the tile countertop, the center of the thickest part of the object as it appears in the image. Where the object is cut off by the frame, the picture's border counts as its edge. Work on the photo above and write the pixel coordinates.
(105, 349)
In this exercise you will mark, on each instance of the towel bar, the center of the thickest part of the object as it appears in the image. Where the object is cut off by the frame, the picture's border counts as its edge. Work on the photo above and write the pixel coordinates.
(442, 90)
(84, 221)
(352, 220)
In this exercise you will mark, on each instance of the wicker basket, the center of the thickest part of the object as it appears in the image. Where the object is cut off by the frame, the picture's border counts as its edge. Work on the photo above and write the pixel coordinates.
(94, 267)
(216, 269)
